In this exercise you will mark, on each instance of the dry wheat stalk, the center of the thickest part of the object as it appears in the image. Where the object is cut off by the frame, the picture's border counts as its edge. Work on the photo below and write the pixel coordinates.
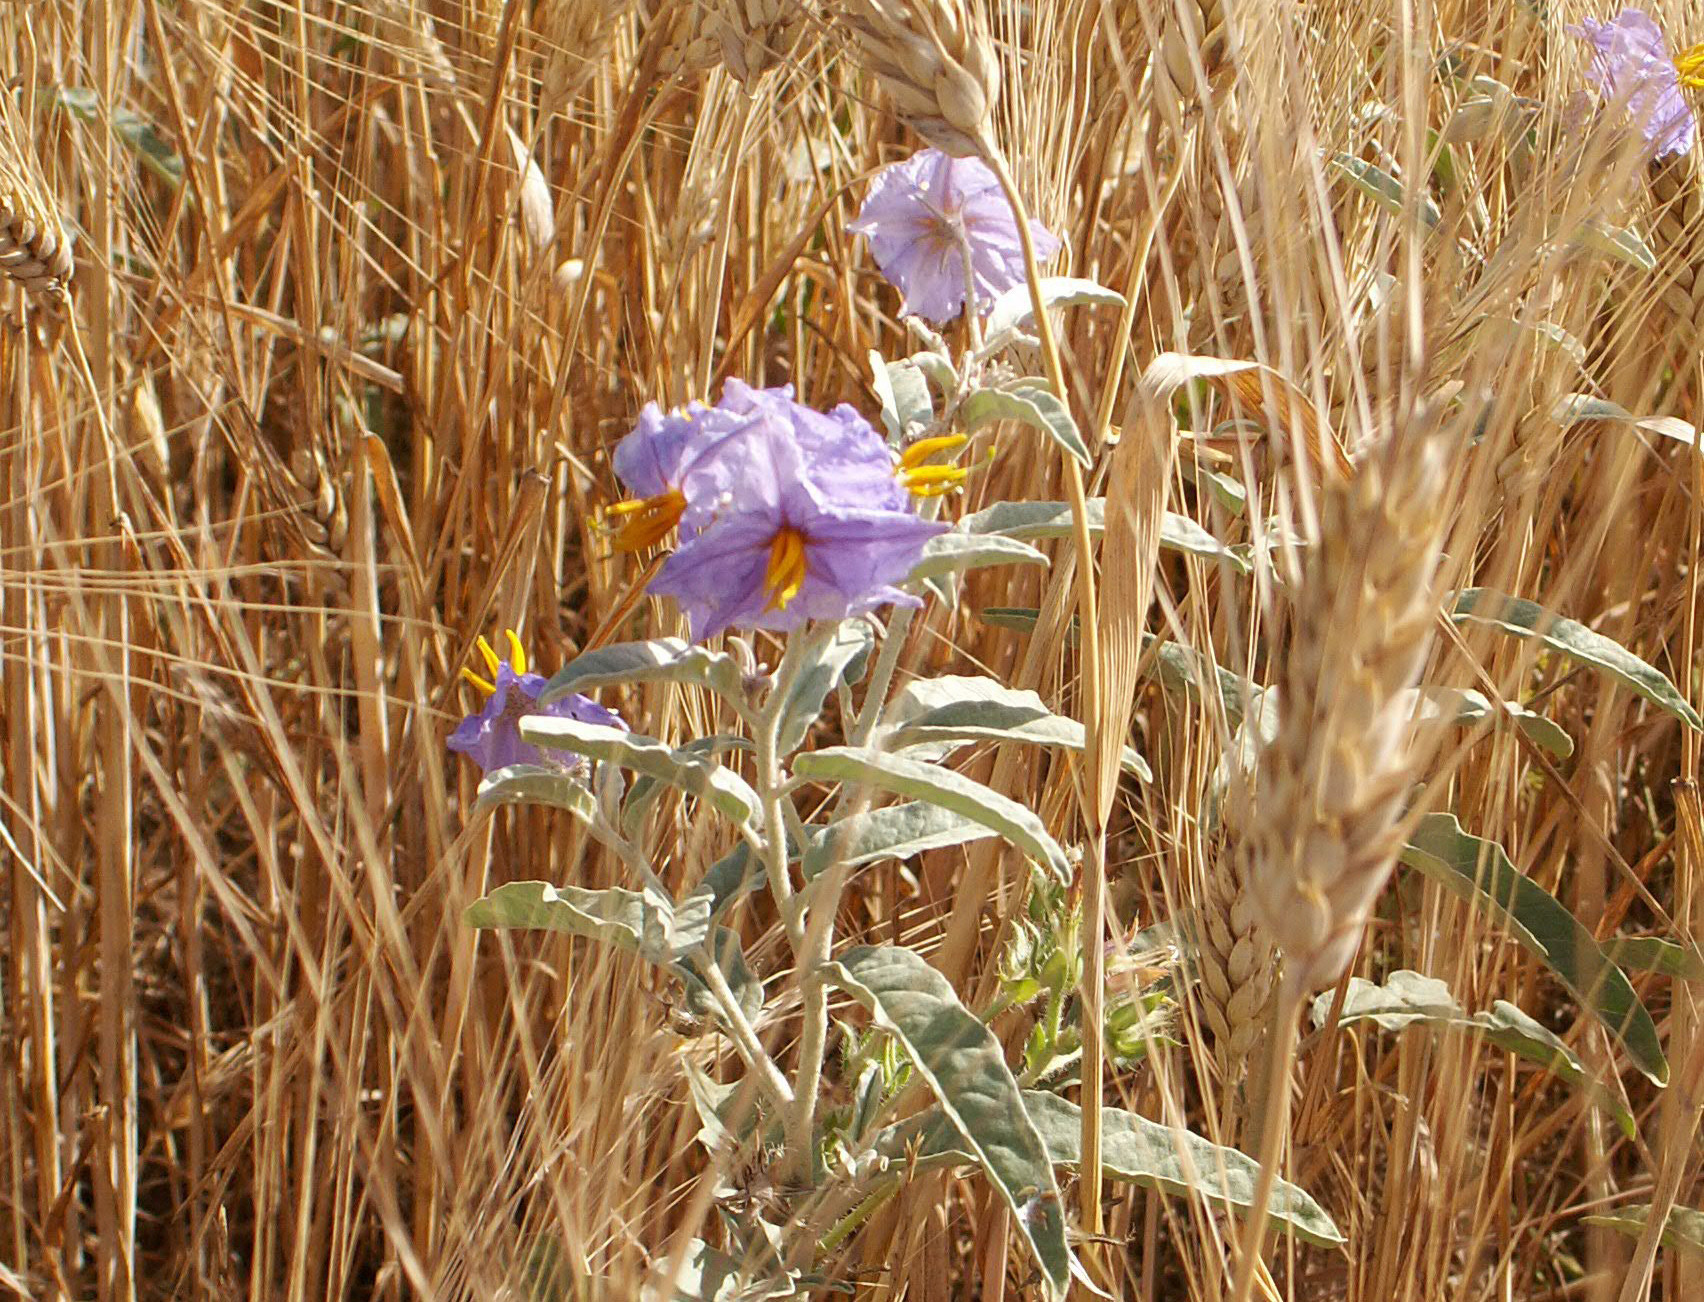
(937, 62)
(35, 250)
(757, 35)
(1677, 195)
(1320, 838)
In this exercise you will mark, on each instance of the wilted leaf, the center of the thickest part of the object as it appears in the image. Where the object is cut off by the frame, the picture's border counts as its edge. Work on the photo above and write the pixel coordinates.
(1682, 1232)
(1015, 306)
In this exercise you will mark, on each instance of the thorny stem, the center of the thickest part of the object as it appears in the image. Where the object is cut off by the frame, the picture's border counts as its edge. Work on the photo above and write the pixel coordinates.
(1094, 860)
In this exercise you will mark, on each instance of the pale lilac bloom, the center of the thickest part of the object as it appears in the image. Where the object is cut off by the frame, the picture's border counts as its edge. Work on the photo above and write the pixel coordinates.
(920, 216)
(675, 465)
(492, 738)
(787, 546)
(844, 453)
(1631, 64)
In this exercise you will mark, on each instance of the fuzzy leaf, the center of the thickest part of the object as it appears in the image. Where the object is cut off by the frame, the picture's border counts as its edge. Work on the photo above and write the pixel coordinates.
(1019, 717)
(1480, 872)
(963, 1063)
(1682, 1232)
(804, 705)
(666, 659)
(646, 789)
(943, 787)
(1031, 521)
(1577, 642)
(1654, 954)
(892, 832)
(538, 784)
(722, 788)
(1015, 306)
(903, 393)
(1031, 404)
(947, 552)
(1618, 242)
(1385, 190)
(1410, 999)
(1466, 707)
(623, 918)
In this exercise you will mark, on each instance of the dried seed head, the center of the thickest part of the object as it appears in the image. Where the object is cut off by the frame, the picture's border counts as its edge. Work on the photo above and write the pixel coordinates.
(757, 35)
(35, 250)
(936, 61)
(1320, 837)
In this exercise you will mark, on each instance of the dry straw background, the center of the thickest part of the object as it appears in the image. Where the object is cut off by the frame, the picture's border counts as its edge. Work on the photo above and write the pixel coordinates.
(364, 293)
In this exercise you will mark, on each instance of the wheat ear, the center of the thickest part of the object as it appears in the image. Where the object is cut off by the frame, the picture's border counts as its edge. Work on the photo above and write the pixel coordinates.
(757, 35)
(936, 61)
(35, 250)
(1677, 196)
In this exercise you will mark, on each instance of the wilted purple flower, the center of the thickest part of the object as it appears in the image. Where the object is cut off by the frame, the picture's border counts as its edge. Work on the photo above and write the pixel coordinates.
(1631, 64)
(921, 215)
(788, 545)
(492, 738)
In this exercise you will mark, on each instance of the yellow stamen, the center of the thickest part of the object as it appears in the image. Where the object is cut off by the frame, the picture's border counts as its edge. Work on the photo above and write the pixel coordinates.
(490, 689)
(492, 659)
(785, 574)
(517, 653)
(923, 449)
(648, 520)
(1690, 65)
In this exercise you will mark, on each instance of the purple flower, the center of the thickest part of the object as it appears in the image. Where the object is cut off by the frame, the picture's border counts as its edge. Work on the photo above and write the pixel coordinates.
(804, 531)
(921, 215)
(846, 456)
(492, 738)
(673, 463)
(1631, 65)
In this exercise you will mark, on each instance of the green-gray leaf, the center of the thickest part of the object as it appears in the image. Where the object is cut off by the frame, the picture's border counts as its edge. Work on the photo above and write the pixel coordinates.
(1682, 1232)
(1023, 718)
(1137, 1150)
(1480, 872)
(1619, 242)
(623, 918)
(1574, 640)
(538, 784)
(723, 789)
(1015, 306)
(892, 832)
(1031, 404)
(962, 1061)
(1409, 999)
(943, 787)
(851, 639)
(1654, 954)
(947, 552)
(1465, 707)
(1032, 521)
(903, 393)
(1385, 190)
(646, 789)
(730, 957)
(666, 659)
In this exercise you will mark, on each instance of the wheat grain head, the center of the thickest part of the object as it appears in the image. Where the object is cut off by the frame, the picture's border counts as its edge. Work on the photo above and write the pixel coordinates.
(936, 61)
(35, 249)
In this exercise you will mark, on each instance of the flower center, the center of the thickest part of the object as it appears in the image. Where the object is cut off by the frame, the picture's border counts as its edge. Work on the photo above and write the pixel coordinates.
(922, 480)
(1690, 65)
(785, 574)
(646, 521)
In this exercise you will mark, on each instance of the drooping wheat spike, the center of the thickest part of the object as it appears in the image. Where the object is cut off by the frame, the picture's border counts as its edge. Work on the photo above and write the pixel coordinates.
(757, 35)
(684, 36)
(1319, 839)
(35, 249)
(1237, 965)
(936, 61)
(576, 36)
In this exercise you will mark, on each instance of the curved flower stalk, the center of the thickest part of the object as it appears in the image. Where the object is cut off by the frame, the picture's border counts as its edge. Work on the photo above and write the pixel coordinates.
(1631, 65)
(491, 737)
(933, 218)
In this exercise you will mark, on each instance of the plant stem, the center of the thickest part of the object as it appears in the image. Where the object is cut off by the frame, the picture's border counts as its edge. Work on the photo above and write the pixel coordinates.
(1094, 859)
(881, 678)
(1281, 1056)
(745, 1035)
(766, 739)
